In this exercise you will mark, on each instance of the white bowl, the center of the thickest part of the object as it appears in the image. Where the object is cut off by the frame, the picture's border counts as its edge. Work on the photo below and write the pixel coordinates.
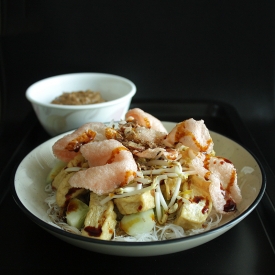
(57, 119)
(29, 193)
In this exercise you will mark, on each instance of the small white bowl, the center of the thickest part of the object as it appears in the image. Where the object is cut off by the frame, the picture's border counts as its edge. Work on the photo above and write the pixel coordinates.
(56, 119)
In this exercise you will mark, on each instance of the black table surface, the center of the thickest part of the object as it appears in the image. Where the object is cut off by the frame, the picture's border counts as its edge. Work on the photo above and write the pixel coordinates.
(248, 248)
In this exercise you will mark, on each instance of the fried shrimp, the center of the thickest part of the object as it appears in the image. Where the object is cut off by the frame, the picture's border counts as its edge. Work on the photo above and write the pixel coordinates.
(145, 119)
(67, 147)
(111, 166)
(191, 133)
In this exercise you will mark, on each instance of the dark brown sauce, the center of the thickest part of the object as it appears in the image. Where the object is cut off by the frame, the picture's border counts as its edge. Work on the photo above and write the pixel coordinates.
(70, 192)
(72, 206)
(93, 231)
(207, 175)
(197, 199)
(230, 183)
(230, 206)
(225, 160)
(205, 208)
(82, 139)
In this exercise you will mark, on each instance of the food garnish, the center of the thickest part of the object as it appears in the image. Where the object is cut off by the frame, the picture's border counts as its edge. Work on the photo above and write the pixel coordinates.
(78, 98)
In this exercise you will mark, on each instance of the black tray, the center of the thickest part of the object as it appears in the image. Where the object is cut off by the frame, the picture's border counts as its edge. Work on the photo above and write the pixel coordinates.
(248, 248)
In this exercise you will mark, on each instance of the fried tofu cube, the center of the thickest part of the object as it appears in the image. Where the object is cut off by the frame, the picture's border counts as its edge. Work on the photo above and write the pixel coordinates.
(64, 191)
(168, 188)
(193, 214)
(59, 177)
(136, 203)
(77, 161)
(100, 221)
(196, 204)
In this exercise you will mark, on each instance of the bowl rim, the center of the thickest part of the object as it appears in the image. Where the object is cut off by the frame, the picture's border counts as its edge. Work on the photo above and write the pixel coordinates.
(130, 94)
(223, 228)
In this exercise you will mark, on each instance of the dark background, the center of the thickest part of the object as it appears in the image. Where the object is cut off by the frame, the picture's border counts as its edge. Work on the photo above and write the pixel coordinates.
(172, 50)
